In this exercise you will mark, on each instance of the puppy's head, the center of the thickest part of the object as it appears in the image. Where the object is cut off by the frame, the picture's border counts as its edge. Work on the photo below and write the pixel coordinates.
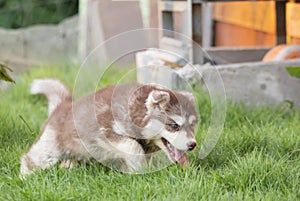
(172, 122)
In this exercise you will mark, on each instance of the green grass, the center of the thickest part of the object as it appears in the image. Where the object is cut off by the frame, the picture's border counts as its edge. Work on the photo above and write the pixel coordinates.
(256, 158)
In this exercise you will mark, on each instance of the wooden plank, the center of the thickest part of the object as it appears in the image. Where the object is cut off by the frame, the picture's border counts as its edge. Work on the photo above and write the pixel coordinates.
(254, 15)
(295, 41)
(293, 19)
(233, 35)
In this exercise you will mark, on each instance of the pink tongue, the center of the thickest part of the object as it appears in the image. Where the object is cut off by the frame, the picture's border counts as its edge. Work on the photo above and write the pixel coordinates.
(181, 157)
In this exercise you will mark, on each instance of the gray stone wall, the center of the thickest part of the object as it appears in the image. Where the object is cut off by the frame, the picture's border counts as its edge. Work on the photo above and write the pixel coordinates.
(259, 82)
(39, 44)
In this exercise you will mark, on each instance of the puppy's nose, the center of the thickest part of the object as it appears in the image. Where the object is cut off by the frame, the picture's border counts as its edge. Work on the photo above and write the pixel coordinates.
(191, 145)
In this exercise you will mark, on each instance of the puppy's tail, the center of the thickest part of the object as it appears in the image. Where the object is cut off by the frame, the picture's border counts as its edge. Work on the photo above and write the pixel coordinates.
(55, 91)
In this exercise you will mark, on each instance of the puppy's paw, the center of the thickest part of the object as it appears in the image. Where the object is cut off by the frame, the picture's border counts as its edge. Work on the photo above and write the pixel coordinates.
(26, 167)
(68, 164)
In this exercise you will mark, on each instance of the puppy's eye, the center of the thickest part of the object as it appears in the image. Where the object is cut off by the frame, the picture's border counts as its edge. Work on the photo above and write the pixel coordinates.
(174, 126)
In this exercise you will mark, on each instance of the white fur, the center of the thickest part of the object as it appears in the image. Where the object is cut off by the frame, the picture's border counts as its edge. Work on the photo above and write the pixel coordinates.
(178, 119)
(192, 118)
(133, 154)
(156, 129)
(160, 97)
(153, 129)
(179, 139)
(43, 153)
(128, 149)
(118, 128)
(53, 89)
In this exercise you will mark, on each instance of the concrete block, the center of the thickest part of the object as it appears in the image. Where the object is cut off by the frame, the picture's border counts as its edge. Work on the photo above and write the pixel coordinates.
(177, 47)
(254, 83)
(261, 82)
(150, 69)
(223, 55)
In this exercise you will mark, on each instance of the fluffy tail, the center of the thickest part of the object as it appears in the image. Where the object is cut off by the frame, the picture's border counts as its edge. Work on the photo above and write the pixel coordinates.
(55, 91)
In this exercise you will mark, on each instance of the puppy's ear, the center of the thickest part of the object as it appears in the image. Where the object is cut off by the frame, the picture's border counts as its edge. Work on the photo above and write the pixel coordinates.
(189, 95)
(157, 99)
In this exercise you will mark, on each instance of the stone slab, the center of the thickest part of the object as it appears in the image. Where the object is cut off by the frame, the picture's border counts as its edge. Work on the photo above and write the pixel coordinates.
(253, 83)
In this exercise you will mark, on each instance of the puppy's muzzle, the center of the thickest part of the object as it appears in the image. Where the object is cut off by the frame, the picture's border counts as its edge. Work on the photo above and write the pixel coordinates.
(191, 145)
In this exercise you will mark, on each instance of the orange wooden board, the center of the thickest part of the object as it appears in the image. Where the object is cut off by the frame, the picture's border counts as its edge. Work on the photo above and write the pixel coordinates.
(295, 41)
(293, 19)
(253, 15)
(233, 35)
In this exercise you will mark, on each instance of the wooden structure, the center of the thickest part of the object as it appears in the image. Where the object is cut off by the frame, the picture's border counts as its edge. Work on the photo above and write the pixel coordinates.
(100, 20)
(232, 23)
(293, 22)
(207, 22)
(270, 82)
(259, 23)
(189, 18)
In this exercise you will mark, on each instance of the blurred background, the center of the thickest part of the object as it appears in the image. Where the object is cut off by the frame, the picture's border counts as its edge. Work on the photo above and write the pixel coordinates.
(37, 31)
(17, 14)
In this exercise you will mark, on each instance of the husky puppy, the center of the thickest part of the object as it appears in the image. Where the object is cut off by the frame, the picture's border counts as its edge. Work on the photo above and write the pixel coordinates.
(123, 122)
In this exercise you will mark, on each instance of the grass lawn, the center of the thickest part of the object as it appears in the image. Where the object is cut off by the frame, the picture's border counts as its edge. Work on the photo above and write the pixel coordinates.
(256, 158)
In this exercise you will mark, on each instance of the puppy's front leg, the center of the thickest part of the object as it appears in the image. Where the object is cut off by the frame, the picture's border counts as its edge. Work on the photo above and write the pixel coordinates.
(42, 154)
(134, 157)
(127, 149)
(68, 164)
